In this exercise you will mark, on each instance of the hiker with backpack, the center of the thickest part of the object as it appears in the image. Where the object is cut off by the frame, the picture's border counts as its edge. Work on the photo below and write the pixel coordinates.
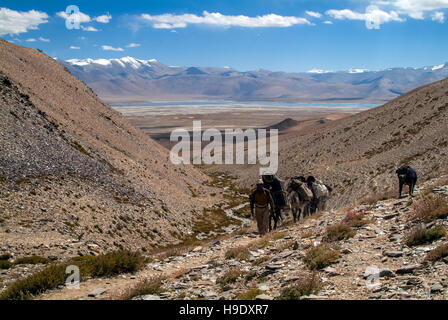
(262, 207)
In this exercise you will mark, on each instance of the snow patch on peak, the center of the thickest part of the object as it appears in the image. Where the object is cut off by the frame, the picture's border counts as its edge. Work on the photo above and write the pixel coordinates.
(440, 66)
(319, 71)
(88, 61)
(355, 70)
(122, 62)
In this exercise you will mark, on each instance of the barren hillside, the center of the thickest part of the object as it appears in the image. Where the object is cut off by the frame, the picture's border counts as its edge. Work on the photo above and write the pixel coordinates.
(358, 155)
(74, 171)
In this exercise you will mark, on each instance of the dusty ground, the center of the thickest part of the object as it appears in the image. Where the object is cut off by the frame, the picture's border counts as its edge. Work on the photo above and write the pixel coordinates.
(379, 244)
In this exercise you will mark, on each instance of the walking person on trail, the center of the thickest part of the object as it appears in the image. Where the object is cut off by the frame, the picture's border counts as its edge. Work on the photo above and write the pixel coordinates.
(275, 186)
(261, 201)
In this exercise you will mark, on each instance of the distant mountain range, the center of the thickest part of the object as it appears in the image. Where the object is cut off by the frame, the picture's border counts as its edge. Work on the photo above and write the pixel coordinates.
(132, 80)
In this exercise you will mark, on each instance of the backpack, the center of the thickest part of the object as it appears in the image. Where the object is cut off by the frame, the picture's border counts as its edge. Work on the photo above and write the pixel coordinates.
(302, 189)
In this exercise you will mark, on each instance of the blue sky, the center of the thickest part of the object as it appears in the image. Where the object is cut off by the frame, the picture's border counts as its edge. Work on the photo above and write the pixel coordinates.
(280, 35)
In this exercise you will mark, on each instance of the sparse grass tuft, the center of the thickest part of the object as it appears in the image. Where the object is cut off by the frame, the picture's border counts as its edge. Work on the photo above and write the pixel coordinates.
(431, 207)
(32, 260)
(321, 256)
(422, 235)
(231, 276)
(260, 261)
(5, 256)
(5, 264)
(309, 284)
(80, 148)
(339, 231)
(238, 253)
(355, 219)
(147, 286)
(249, 294)
(438, 253)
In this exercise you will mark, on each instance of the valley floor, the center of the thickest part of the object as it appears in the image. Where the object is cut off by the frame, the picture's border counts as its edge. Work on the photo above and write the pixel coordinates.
(221, 269)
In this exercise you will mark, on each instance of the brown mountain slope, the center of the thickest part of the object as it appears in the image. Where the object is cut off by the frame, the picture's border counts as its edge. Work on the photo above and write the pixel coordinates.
(72, 169)
(358, 155)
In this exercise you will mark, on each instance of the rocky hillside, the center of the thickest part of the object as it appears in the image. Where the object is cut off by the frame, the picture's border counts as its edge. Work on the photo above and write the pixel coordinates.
(390, 249)
(358, 155)
(73, 170)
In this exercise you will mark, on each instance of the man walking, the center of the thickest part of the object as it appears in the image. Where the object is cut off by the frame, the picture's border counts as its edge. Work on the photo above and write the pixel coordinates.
(261, 199)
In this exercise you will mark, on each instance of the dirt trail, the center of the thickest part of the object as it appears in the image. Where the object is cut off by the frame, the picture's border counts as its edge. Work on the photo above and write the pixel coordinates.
(276, 262)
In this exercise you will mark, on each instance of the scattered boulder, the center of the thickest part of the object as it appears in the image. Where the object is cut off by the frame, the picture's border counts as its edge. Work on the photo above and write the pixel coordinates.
(97, 292)
(386, 273)
(409, 269)
(436, 288)
(147, 297)
(393, 254)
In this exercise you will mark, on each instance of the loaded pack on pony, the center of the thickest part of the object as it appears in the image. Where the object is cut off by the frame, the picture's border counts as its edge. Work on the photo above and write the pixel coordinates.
(299, 196)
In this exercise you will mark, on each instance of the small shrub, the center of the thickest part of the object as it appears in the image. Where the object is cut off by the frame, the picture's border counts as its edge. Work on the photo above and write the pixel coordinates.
(279, 235)
(431, 207)
(249, 294)
(238, 253)
(321, 256)
(5, 264)
(355, 219)
(5, 256)
(260, 261)
(338, 232)
(32, 260)
(438, 253)
(307, 285)
(422, 235)
(250, 275)
(148, 286)
(80, 148)
(231, 276)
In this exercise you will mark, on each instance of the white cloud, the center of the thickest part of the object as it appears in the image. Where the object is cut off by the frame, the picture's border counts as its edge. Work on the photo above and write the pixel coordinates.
(15, 22)
(105, 18)
(109, 48)
(89, 28)
(44, 39)
(374, 17)
(438, 16)
(133, 45)
(314, 14)
(31, 40)
(328, 22)
(74, 48)
(78, 17)
(416, 8)
(171, 21)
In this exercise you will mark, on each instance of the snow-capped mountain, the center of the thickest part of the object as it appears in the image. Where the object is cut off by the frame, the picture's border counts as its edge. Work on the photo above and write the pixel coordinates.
(130, 79)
